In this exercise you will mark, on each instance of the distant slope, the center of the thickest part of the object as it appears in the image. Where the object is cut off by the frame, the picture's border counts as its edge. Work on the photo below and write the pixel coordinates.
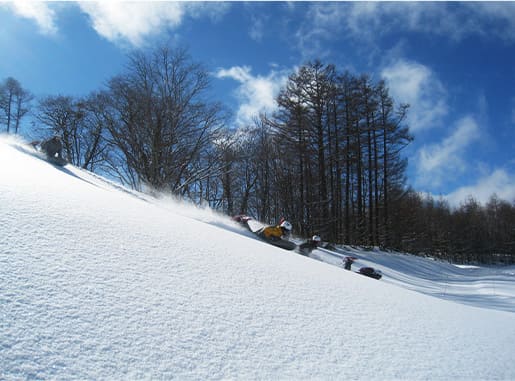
(486, 287)
(99, 282)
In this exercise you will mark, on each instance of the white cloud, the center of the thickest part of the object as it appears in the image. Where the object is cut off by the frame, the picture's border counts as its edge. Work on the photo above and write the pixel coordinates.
(416, 84)
(255, 94)
(499, 182)
(40, 12)
(120, 21)
(238, 73)
(437, 162)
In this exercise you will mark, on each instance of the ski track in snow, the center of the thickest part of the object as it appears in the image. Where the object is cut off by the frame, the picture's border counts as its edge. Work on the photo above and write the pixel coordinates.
(100, 282)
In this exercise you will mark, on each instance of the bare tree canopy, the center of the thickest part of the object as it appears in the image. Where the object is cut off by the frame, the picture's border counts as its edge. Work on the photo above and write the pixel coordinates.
(79, 122)
(14, 104)
(162, 122)
(339, 138)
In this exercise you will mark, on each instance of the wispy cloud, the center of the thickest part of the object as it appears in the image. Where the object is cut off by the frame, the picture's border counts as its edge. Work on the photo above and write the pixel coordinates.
(456, 21)
(133, 22)
(498, 18)
(417, 85)
(257, 26)
(365, 22)
(39, 12)
(255, 94)
(436, 161)
(498, 182)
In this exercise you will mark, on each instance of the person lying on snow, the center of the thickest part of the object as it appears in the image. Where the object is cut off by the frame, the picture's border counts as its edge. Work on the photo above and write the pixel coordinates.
(278, 232)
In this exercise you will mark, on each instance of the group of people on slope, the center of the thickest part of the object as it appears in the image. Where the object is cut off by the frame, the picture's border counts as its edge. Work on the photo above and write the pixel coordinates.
(283, 230)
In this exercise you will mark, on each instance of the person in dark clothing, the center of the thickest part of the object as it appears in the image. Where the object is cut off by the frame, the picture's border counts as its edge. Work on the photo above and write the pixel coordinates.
(310, 245)
(348, 263)
(53, 147)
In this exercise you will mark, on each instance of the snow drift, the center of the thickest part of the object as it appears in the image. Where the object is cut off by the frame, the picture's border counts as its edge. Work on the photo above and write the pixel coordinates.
(99, 282)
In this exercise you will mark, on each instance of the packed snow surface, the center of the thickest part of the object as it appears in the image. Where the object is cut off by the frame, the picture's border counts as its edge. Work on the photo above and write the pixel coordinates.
(100, 282)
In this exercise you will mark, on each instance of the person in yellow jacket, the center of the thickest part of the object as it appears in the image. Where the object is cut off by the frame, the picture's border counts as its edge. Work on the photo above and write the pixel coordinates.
(276, 232)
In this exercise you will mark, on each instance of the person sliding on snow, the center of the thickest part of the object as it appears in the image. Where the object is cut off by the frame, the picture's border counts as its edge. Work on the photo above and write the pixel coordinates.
(315, 241)
(275, 233)
(53, 147)
(310, 245)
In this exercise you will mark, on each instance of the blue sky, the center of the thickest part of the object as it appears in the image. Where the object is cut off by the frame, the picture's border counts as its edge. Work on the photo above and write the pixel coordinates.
(454, 63)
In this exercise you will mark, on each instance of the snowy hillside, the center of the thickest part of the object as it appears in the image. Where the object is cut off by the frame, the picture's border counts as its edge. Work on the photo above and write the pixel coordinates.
(99, 282)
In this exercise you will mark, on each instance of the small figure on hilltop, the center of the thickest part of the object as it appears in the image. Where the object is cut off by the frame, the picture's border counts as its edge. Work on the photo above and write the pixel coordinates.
(53, 147)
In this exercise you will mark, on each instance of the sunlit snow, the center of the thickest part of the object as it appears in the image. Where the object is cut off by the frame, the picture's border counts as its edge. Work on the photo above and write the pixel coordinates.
(100, 282)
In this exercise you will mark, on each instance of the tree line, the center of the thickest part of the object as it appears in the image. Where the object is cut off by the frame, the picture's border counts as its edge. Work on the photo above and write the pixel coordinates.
(329, 159)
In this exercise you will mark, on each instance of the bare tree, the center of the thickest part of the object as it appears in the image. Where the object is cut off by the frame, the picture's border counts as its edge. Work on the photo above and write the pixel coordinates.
(58, 114)
(335, 156)
(162, 123)
(79, 123)
(395, 137)
(14, 104)
(93, 122)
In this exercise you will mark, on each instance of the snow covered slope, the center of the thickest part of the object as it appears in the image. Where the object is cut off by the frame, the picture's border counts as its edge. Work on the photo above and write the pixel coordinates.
(98, 282)
(485, 287)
